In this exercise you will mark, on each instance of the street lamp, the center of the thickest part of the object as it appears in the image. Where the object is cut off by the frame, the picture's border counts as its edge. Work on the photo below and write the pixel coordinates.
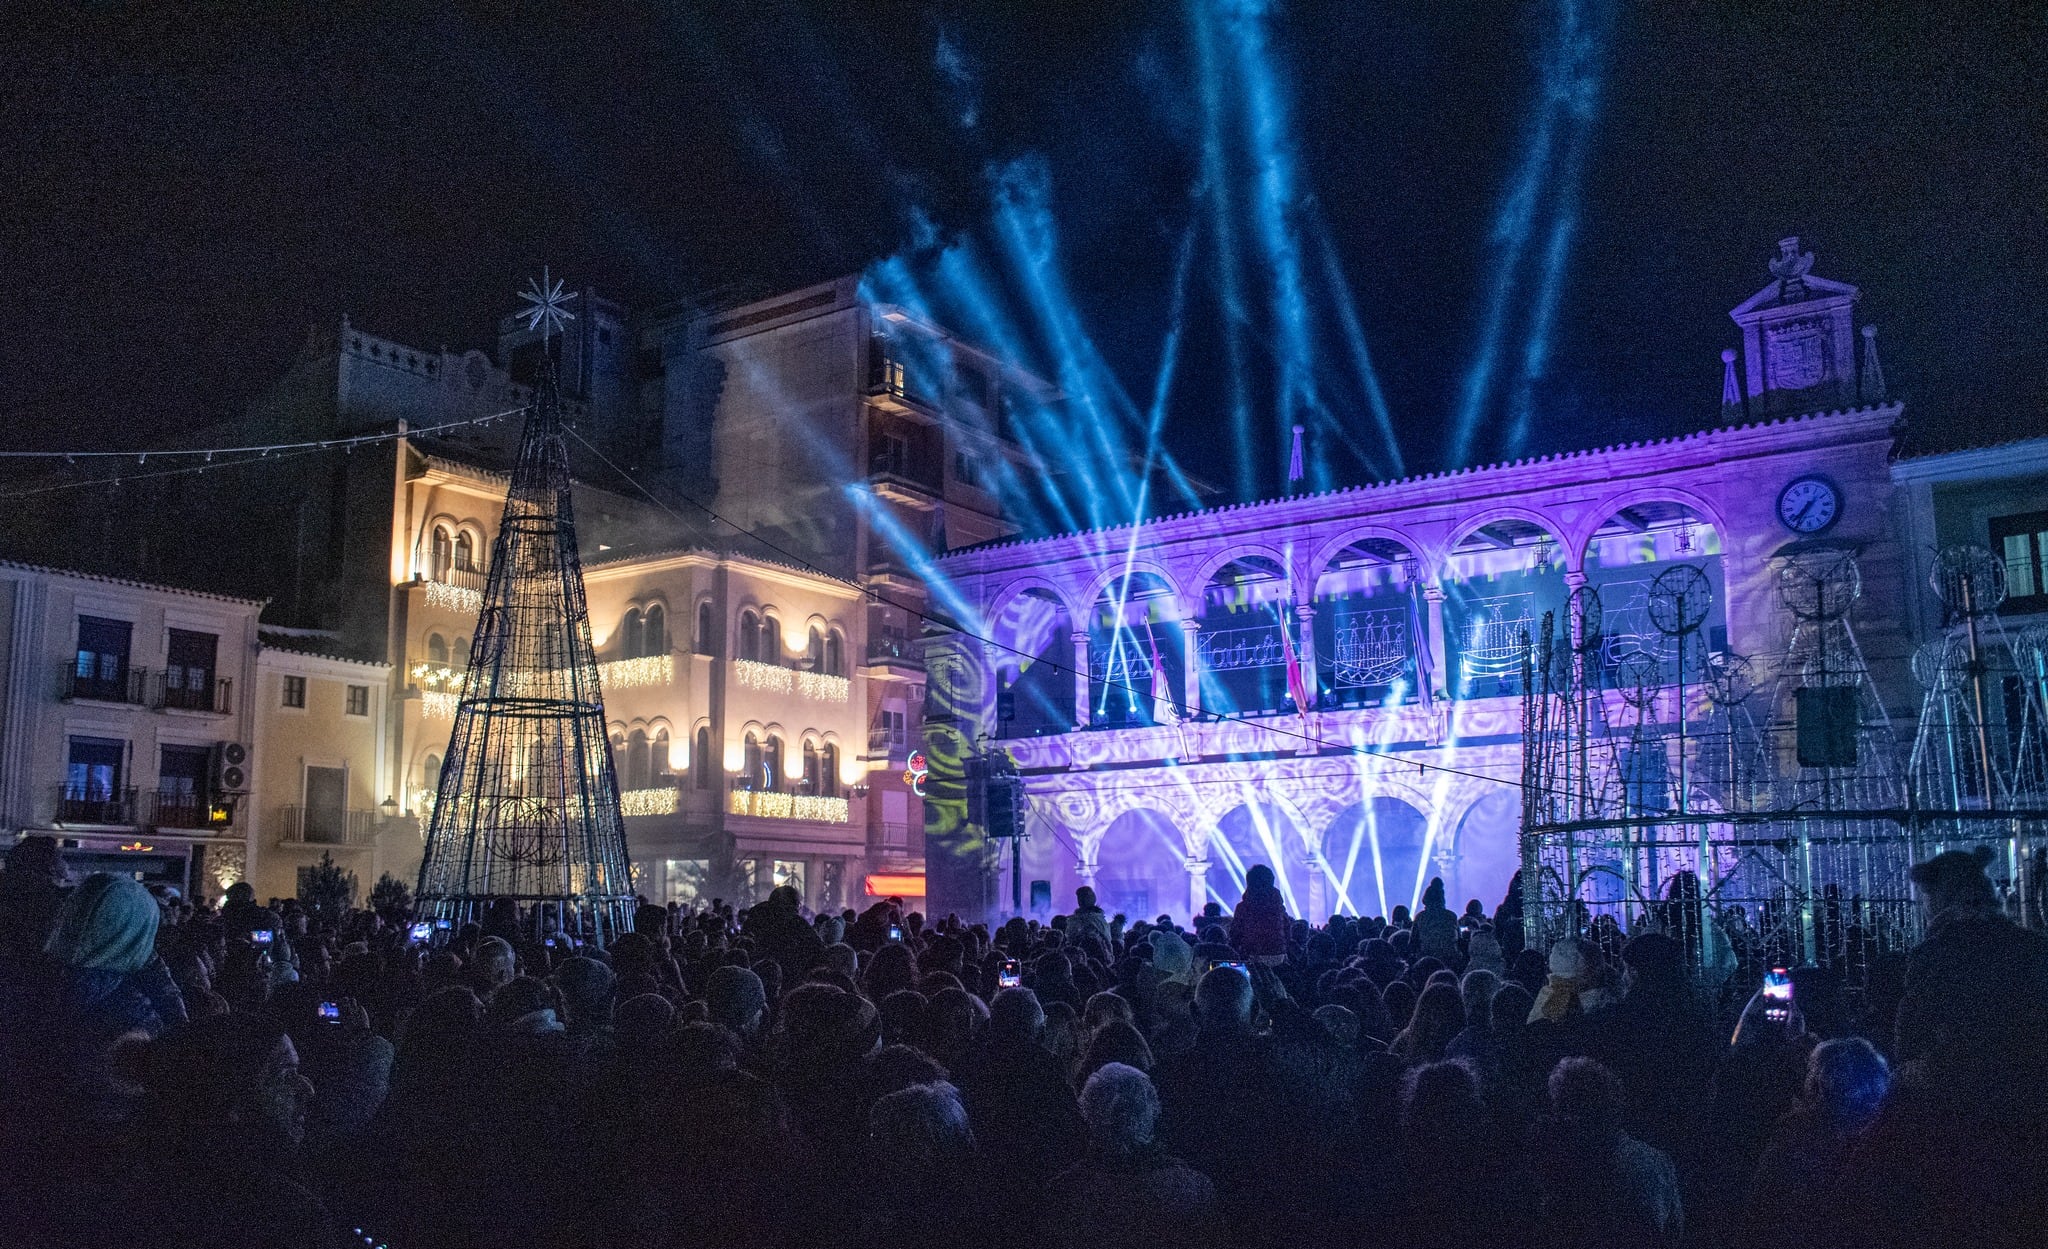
(389, 808)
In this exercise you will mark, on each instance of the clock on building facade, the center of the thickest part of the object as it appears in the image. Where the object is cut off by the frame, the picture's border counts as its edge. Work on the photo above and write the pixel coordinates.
(1809, 505)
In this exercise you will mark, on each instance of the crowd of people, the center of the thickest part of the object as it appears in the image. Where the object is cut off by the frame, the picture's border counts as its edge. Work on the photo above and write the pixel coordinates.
(248, 1074)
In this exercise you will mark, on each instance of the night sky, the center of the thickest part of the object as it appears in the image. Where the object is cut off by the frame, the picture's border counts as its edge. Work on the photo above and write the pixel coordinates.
(185, 193)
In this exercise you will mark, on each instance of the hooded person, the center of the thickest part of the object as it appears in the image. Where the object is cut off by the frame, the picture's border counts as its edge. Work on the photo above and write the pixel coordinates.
(780, 932)
(1436, 926)
(96, 987)
(1088, 919)
(1258, 927)
(1485, 955)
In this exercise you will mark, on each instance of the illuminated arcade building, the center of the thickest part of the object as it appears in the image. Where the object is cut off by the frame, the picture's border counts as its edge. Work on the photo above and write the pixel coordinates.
(1141, 678)
(763, 688)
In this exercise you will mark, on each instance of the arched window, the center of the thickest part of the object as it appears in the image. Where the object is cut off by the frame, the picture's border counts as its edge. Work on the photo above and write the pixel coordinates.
(636, 759)
(437, 649)
(752, 769)
(465, 552)
(705, 618)
(657, 769)
(771, 641)
(458, 652)
(441, 553)
(828, 771)
(771, 765)
(629, 634)
(430, 774)
(654, 631)
(815, 652)
(835, 653)
(700, 758)
(750, 635)
(810, 781)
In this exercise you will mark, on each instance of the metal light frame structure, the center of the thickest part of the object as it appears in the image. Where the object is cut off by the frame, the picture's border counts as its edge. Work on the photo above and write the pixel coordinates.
(1673, 793)
(527, 805)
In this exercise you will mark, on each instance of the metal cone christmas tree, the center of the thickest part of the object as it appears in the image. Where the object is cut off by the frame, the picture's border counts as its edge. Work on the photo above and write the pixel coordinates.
(527, 807)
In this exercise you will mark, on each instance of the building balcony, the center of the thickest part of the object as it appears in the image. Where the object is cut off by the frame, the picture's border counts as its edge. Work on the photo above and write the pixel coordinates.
(130, 685)
(172, 809)
(901, 487)
(349, 828)
(775, 805)
(213, 696)
(104, 808)
(646, 671)
(895, 651)
(460, 590)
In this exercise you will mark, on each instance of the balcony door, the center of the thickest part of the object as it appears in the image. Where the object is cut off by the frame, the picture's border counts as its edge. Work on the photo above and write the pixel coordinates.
(93, 772)
(327, 804)
(188, 677)
(103, 658)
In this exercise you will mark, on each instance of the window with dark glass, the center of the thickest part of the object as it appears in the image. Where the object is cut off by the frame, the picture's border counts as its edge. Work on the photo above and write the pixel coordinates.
(700, 759)
(2022, 542)
(654, 631)
(184, 786)
(102, 669)
(441, 553)
(188, 675)
(704, 625)
(359, 700)
(752, 762)
(465, 553)
(92, 771)
(295, 691)
(835, 653)
(828, 770)
(810, 784)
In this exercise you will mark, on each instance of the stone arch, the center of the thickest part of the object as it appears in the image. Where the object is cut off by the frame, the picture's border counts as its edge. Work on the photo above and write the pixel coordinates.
(1426, 556)
(1581, 536)
(1259, 830)
(1372, 858)
(1471, 525)
(1231, 554)
(1028, 583)
(1119, 570)
(1140, 862)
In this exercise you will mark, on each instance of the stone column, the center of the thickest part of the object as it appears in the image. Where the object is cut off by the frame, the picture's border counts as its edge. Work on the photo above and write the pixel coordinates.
(1318, 900)
(1198, 888)
(1439, 665)
(1191, 665)
(1306, 613)
(1080, 678)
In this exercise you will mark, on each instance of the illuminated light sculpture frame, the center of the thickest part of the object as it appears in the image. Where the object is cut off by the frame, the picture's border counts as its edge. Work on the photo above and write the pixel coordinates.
(527, 806)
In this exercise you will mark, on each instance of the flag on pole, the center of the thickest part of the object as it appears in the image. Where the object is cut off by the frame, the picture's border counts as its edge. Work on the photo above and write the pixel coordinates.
(1297, 680)
(1162, 689)
(1295, 471)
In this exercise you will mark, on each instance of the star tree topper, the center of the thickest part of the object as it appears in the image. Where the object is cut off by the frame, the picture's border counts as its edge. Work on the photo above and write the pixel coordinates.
(546, 304)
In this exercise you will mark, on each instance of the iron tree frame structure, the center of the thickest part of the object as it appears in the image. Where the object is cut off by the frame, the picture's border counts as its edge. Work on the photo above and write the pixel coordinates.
(527, 804)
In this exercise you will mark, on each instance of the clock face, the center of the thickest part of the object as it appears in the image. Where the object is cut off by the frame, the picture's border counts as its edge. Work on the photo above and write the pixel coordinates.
(1809, 504)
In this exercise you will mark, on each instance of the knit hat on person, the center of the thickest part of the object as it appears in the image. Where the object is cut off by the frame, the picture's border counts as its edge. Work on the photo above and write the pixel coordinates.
(107, 924)
(735, 996)
(1172, 955)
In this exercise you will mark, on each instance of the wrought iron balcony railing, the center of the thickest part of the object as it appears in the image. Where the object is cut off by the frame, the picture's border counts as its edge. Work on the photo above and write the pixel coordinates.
(209, 694)
(91, 805)
(174, 809)
(326, 826)
(125, 685)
